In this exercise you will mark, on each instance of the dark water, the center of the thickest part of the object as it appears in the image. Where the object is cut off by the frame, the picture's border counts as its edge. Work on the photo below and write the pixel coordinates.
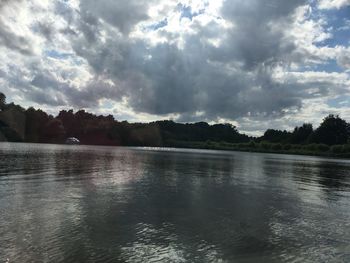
(100, 204)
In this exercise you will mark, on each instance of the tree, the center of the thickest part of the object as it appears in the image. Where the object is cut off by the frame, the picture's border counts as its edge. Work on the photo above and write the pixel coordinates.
(36, 121)
(2, 100)
(333, 130)
(276, 136)
(302, 134)
(54, 131)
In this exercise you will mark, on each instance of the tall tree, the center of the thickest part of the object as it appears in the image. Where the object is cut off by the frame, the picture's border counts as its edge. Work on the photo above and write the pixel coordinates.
(333, 130)
(2, 100)
(302, 134)
(276, 136)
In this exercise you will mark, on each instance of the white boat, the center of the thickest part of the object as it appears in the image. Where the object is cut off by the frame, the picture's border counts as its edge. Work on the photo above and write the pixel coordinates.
(72, 141)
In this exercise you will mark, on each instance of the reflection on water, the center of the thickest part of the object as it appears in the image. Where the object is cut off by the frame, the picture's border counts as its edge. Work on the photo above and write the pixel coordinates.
(103, 204)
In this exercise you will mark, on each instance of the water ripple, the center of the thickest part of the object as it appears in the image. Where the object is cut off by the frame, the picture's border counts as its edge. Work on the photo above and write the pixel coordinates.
(105, 204)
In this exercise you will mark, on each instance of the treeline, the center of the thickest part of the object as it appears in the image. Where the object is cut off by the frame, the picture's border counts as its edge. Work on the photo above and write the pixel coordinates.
(332, 131)
(30, 125)
(267, 147)
(331, 138)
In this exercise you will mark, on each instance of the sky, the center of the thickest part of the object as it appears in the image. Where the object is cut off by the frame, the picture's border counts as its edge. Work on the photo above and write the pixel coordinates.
(257, 64)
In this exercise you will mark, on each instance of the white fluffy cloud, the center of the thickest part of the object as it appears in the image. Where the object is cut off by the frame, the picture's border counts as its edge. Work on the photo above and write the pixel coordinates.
(331, 4)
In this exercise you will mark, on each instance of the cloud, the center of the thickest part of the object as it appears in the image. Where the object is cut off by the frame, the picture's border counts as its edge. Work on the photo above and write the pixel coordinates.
(185, 75)
(8, 37)
(124, 15)
(333, 4)
(249, 62)
(12, 41)
(343, 58)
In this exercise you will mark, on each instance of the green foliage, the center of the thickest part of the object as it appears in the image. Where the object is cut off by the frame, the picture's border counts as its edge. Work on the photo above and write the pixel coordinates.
(311, 147)
(296, 147)
(54, 131)
(330, 138)
(252, 145)
(200, 131)
(301, 134)
(287, 147)
(277, 147)
(346, 148)
(332, 131)
(337, 149)
(276, 136)
(2, 100)
(10, 134)
(265, 145)
(36, 121)
(323, 148)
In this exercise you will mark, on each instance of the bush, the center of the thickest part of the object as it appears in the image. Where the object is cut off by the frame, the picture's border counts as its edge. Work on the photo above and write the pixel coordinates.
(209, 142)
(252, 145)
(287, 147)
(323, 148)
(265, 146)
(297, 147)
(243, 145)
(346, 148)
(311, 147)
(277, 147)
(337, 149)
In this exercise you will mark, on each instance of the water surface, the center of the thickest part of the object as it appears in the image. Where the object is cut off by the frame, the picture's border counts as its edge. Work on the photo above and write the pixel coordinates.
(105, 204)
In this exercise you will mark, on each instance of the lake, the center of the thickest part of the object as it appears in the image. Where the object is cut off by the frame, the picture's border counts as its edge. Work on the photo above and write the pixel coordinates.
(103, 204)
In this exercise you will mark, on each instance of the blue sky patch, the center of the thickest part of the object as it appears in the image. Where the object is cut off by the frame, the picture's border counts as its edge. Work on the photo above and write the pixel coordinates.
(337, 21)
(158, 25)
(339, 102)
(186, 12)
(329, 66)
(58, 55)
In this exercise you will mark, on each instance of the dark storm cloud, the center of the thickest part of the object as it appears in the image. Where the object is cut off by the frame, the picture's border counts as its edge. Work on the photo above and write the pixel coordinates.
(40, 97)
(260, 31)
(14, 42)
(10, 39)
(92, 93)
(230, 81)
(121, 14)
(45, 29)
(44, 89)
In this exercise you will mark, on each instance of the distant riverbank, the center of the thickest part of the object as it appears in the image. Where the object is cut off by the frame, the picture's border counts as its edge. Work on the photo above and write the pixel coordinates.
(331, 138)
(337, 151)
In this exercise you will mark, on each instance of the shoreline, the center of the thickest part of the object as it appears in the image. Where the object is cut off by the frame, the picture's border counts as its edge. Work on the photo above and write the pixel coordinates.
(219, 147)
(302, 151)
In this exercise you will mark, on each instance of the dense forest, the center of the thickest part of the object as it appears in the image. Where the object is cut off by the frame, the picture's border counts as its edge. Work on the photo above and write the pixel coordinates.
(17, 124)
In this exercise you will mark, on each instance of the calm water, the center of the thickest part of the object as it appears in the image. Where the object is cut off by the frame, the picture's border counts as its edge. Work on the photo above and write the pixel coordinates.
(104, 204)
